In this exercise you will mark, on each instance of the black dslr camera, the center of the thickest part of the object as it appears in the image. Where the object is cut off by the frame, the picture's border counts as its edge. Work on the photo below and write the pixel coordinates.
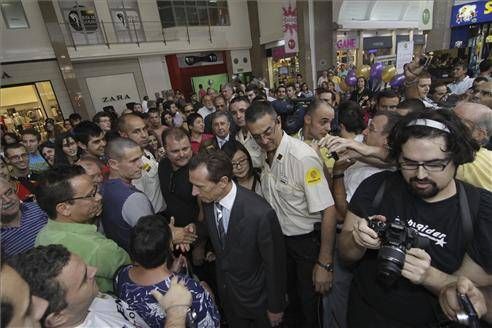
(396, 238)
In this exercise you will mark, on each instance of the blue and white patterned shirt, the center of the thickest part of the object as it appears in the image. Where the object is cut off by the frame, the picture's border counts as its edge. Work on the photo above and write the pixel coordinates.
(19, 239)
(141, 299)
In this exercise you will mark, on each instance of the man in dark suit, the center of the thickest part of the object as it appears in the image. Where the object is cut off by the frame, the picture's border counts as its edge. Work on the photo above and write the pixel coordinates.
(248, 243)
(221, 128)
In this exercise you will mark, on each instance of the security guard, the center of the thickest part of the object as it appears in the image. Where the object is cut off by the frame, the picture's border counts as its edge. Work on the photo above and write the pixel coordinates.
(294, 184)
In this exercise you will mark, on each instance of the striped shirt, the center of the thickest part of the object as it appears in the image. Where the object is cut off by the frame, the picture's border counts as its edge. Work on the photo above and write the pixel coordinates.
(19, 239)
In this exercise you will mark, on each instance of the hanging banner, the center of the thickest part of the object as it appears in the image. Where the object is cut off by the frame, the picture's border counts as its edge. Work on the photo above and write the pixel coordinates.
(289, 22)
(404, 55)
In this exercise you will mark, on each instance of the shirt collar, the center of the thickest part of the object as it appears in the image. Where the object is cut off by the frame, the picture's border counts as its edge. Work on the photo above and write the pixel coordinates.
(283, 148)
(74, 227)
(228, 199)
(223, 139)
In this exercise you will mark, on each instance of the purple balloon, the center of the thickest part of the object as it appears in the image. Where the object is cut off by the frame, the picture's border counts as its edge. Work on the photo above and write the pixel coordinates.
(351, 80)
(351, 73)
(397, 80)
(376, 70)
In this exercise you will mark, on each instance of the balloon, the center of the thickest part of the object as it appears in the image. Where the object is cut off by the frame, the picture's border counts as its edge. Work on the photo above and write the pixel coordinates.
(388, 73)
(351, 72)
(376, 70)
(364, 71)
(397, 80)
(351, 80)
(336, 79)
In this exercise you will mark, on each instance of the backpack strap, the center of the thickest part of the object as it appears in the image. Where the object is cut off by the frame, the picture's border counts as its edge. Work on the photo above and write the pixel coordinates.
(466, 214)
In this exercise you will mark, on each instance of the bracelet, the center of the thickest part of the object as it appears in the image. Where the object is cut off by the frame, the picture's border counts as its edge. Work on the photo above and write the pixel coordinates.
(338, 176)
(176, 305)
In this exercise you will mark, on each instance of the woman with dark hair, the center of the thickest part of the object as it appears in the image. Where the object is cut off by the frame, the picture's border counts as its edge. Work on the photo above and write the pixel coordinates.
(155, 146)
(361, 95)
(52, 130)
(151, 251)
(242, 166)
(10, 138)
(66, 150)
(47, 150)
(196, 125)
(305, 92)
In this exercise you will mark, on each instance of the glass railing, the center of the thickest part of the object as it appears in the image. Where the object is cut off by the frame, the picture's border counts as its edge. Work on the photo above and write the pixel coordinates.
(111, 33)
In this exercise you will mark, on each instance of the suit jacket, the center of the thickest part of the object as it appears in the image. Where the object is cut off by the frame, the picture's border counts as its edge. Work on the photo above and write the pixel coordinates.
(251, 268)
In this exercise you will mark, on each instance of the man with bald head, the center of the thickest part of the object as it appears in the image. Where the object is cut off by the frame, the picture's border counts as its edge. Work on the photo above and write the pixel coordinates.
(133, 127)
(479, 118)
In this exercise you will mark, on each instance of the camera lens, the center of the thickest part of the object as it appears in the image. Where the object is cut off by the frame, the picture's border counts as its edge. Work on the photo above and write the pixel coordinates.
(391, 260)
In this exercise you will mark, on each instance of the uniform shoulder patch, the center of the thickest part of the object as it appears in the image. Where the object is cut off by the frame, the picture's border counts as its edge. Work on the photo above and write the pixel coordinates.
(313, 176)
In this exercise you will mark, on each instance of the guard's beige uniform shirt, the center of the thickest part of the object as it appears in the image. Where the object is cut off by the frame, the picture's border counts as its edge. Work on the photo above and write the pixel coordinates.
(295, 186)
(257, 154)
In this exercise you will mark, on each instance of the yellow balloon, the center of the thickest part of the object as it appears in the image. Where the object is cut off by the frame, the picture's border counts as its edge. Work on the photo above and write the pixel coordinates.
(364, 71)
(336, 79)
(388, 73)
(343, 86)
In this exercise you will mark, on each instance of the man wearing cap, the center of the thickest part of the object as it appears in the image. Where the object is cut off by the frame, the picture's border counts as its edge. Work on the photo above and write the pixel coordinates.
(423, 195)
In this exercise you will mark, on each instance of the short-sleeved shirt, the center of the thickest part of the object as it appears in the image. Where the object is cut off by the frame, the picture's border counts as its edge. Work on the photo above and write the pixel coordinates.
(37, 163)
(95, 249)
(440, 222)
(478, 172)
(107, 311)
(16, 240)
(325, 156)
(296, 187)
(257, 154)
(141, 299)
(177, 191)
(148, 183)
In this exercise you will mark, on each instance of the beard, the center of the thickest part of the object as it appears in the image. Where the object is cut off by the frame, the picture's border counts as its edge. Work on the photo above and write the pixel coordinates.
(429, 192)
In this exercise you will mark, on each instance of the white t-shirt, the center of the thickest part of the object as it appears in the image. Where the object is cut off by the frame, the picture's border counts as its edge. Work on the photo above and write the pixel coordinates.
(149, 184)
(459, 88)
(107, 311)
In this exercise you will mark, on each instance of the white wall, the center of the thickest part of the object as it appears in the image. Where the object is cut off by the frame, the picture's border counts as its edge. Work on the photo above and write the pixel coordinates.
(270, 16)
(235, 36)
(155, 74)
(26, 44)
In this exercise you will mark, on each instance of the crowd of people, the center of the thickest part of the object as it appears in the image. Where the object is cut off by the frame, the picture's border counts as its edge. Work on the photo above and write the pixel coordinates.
(256, 208)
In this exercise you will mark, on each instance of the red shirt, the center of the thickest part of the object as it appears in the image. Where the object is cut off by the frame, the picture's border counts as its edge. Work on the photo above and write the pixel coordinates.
(195, 145)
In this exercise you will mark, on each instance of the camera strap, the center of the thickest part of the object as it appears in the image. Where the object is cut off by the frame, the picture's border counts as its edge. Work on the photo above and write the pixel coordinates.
(465, 212)
(466, 215)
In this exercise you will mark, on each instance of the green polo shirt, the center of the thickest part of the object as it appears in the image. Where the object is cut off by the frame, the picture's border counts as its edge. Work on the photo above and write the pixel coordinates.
(95, 249)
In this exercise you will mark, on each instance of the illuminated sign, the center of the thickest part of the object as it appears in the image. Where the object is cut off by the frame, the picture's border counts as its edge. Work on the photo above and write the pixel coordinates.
(471, 13)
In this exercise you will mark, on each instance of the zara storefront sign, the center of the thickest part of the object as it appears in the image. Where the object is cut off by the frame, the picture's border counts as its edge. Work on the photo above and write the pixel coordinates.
(115, 90)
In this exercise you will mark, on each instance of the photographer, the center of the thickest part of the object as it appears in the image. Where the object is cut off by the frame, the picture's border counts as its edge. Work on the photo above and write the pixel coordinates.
(423, 195)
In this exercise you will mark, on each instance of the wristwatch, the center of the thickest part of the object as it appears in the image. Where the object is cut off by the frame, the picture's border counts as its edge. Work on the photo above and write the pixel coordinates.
(328, 266)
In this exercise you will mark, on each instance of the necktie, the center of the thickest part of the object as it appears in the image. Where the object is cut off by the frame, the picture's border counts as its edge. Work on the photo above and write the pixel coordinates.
(220, 223)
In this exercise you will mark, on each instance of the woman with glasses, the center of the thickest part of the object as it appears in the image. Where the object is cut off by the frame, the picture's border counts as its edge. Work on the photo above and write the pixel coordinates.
(242, 166)
(196, 126)
(66, 150)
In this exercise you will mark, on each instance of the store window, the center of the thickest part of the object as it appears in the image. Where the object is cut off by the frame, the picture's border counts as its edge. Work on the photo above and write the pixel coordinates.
(29, 105)
(126, 20)
(13, 14)
(193, 13)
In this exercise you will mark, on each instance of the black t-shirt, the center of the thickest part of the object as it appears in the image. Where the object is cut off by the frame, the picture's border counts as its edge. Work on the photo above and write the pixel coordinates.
(177, 191)
(441, 222)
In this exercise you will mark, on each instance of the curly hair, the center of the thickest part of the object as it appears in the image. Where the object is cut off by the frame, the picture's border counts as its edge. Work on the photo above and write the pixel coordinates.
(459, 142)
(40, 268)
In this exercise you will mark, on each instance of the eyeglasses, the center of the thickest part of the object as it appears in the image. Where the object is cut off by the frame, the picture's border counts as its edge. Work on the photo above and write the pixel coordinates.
(18, 157)
(8, 193)
(91, 195)
(240, 163)
(484, 93)
(267, 133)
(429, 166)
